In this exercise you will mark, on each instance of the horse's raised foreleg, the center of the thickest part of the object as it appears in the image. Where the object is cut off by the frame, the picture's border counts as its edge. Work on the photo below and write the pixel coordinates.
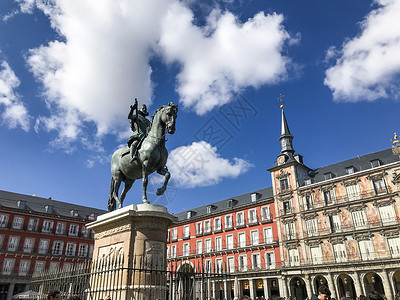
(127, 187)
(145, 178)
(163, 171)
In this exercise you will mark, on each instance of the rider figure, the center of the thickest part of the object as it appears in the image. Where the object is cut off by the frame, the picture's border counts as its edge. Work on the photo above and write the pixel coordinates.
(139, 125)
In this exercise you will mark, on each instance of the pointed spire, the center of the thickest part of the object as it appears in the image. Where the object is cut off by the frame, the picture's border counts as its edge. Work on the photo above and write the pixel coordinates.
(286, 138)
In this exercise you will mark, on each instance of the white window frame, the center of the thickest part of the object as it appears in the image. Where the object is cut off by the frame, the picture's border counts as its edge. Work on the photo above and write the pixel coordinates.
(173, 251)
(70, 249)
(218, 243)
(208, 265)
(268, 238)
(394, 246)
(340, 252)
(219, 265)
(256, 260)
(199, 246)
(294, 259)
(54, 266)
(242, 242)
(207, 226)
(387, 214)
(255, 237)
(359, 219)
(240, 220)
(29, 244)
(33, 224)
(47, 226)
(40, 265)
(353, 191)
(270, 262)
(61, 227)
(186, 249)
(186, 231)
(13, 243)
(230, 244)
(316, 255)
(83, 250)
(41, 248)
(73, 230)
(252, 214)
(18, 222)
(217, 224)
(24, 266)
(174, 235)
(266, 213)
(231, 264)
(8, 266)
(57, 248)
(228, 222)
(242, 262)
(207, 245)
(199, 228)
(4, 220)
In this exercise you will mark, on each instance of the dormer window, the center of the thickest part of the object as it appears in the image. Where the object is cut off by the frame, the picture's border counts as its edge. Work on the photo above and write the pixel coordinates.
(49, 208)
(21, 204)
(210, 208)
(307, 182)
(328, 176)
(254, 197)
(74, 213)
(375, 163)
(350, 170)
(189, 214)
(232, 202)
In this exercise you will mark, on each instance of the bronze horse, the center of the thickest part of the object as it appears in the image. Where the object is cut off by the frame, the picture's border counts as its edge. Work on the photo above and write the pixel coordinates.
(152, 156)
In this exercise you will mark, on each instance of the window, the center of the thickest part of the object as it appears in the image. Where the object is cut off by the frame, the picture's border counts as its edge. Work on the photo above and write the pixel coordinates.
(254, 237)
(307, 182)
(24, 267)
(67, 267)
(73, 230)
(229, 242)
(340, 252)
(186, 231)
(328, 176)
(3, 221)
(186, 249)
(218, 243)
(33, 224)
(307, 202)
(82, 250)
(316, 255)
(18, 222)
(39, 266)
(270, 260)
(265, 213)
(174, 234)
(43, 246)
(240, 218)
(217, 224)
(359, 219)
(91, 249)
(328, 196)
(199, 228)
(228, 222)
(60, 228)
(353, 191)
(311, 227)
(394, 246)
(54, 266)
(28, 245)
(256, 261)
(231, 264)
(207, 245)
(290, 231)
(375, 163)
(268, 238)
(334, 223)
(208, 265)
(57, 247)
(199, 246)
(207, 226)
(284, 184)
(388, 214)
(8, 266)
(252, 216)
(367, 250)
(173, 251)
(294, 257)
(85, 232)
(379, 186)
(350, 170)
(254, 197)
(13, 242)
(219, 264)
(70, 249)
(189, 214)
(47, 226)
(242, 239)
(287, 208)
(242, 263)
(168, 253)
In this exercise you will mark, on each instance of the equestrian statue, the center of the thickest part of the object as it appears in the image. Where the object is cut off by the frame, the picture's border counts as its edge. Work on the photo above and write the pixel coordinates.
(145, 153)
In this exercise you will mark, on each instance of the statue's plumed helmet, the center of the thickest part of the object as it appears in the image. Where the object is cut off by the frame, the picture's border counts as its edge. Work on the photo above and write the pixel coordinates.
(143, 110)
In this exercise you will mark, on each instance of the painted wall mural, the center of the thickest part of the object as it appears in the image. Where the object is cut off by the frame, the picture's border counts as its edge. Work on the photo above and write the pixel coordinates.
(380, 245)
(351, 249)
(327, 251)
(321, 221)
(345, 218)
(372, 214)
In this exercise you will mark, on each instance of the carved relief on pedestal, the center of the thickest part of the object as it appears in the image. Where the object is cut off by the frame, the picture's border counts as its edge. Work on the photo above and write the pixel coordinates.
(154, 255)
(112, 231)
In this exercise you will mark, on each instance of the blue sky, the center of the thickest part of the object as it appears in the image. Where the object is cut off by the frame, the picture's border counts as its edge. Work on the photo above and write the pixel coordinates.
(70, 69)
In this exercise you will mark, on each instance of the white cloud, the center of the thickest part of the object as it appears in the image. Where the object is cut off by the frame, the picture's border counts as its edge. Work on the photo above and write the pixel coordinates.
(199, 164)
(369, 65)
(15, 113)
(101, 62)
(101, 66)
(224, 56)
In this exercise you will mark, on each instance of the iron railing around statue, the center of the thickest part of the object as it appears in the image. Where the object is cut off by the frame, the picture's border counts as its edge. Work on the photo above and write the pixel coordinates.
(94, 281)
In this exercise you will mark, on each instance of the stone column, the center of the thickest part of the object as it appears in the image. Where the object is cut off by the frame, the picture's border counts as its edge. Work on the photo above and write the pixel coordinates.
(283, 291)
(130, 246)
(357, 284)
(213, 289)
(308, 286)
(252, 289)
(266, 288)
(386, 284)
(10, 291)
(226, 291)
(332, 286)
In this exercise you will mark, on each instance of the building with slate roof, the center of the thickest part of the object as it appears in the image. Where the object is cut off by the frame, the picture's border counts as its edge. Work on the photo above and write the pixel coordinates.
(40, 235)
(337, 225)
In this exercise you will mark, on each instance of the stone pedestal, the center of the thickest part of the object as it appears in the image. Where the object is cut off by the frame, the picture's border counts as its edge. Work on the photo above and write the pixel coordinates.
(129, 258)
